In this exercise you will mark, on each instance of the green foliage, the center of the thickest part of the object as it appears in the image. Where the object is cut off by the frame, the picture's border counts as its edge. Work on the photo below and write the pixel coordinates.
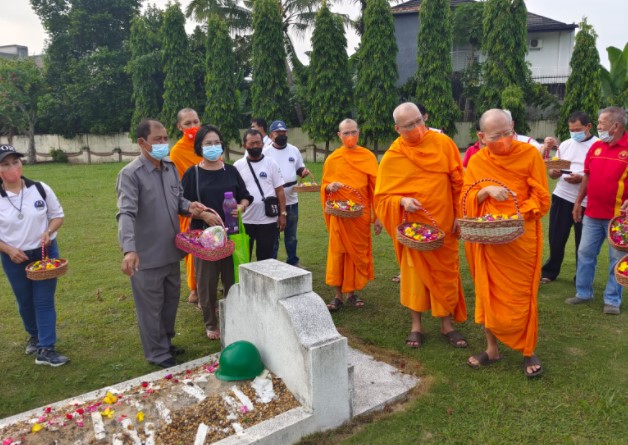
(329, 84)
(269, 88)
(512, 99)
(198, 50)
(58, 155)
(468, 26)
(377, 75)
(177, 66)
(615, 81)
(145, 66)
(221, 82)
(434, 71)
(583, 90)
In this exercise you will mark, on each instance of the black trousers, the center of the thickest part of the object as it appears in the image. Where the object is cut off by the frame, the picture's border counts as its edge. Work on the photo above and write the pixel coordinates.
(263, 236)
(561, 221)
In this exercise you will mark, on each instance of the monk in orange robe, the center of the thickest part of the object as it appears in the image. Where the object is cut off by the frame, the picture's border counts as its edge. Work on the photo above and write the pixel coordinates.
(183, 156)
(350, 248)
(506, 276)
(422, 169)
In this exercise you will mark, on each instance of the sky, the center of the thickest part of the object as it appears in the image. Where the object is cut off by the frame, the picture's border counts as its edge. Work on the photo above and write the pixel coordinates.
(21, 26)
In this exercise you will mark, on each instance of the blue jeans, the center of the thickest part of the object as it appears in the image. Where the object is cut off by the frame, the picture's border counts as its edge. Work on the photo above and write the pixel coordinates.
(35, 299)
(289, 235)
(594, 233)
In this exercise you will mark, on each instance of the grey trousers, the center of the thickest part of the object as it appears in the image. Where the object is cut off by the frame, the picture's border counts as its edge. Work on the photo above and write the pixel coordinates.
(156, 293)
(207, 274)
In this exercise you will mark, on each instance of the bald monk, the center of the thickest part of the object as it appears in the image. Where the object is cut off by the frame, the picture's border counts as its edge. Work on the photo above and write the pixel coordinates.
(350, 249)
(422, 168)
(506, 276)
(183, 156)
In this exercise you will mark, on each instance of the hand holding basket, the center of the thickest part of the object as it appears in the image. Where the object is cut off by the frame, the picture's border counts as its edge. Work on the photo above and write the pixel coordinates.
(46, 268)
(420, 236)
(345, 208)
(190, 242)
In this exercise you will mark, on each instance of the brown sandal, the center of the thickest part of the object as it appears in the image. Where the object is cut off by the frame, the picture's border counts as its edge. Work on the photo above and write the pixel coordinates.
(335, 305)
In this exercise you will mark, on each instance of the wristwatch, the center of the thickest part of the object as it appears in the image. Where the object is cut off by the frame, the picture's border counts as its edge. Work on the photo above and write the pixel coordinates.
(284, 213)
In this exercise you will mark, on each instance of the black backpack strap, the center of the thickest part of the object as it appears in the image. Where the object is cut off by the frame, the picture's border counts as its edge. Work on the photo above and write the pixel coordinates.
(28, 183)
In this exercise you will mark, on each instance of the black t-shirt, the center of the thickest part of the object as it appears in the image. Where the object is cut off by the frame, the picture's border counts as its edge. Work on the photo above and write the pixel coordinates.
(212, 185)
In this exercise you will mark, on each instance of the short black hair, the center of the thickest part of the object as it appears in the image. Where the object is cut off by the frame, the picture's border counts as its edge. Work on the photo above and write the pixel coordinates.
(260, 123)
(579, 116)
(250, 132)
(422, 108)
(200, 135)
(144, 128)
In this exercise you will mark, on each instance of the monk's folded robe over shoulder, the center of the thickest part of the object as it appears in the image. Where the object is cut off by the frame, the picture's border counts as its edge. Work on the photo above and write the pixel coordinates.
(506, 276)
(431, 172)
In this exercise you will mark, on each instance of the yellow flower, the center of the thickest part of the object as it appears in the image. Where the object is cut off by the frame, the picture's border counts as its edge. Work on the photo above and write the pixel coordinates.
(110, 399)
(108, 413)
(514, 217)
(140, 416)
(37, 427)
(350, 203)
(555, 158)
(623, 267)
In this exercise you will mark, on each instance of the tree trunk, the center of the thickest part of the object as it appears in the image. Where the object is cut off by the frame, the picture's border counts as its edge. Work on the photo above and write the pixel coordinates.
(32, 157)
(326, 149)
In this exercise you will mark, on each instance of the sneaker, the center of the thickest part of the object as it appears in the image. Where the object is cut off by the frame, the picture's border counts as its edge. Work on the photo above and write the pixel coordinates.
(577, 300)
(611, 310)
(174, 350)
(31, 346)
(50, 357)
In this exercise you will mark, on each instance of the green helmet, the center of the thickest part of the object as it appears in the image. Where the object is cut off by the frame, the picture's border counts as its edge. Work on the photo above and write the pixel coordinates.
(239, 361)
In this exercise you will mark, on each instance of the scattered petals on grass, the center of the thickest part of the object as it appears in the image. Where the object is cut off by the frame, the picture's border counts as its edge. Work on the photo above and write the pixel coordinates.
(37, 427)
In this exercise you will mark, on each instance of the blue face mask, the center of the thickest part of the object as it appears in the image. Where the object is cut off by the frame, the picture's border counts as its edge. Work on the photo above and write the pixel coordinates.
(212, 152)
(160, 151)
(578, 136)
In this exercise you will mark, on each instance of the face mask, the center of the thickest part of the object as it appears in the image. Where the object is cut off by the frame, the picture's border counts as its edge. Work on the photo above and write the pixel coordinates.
(159, 152)
(212, 152)
(350, 141)
(578, 136)
(605, 136)
(190, 133)
(254, 153)
(416, 134)
(281, 140)
(501, 147)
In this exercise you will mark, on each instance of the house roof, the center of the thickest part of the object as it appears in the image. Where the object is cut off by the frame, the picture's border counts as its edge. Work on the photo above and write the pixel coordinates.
(536, 23)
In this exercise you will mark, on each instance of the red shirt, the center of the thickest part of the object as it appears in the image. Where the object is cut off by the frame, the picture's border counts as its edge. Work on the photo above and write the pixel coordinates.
(607, 168)
(470, 152)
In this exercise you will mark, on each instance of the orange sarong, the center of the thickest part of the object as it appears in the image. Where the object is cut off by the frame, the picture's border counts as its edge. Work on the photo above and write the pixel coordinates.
(430, 171)
(507, 276)
(350, 249)
(183, 156)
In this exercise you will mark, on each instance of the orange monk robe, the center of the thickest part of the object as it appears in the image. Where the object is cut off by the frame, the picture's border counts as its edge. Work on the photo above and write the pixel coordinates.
(507, 276)
(183, 156)
(350, 249)
(430, 171)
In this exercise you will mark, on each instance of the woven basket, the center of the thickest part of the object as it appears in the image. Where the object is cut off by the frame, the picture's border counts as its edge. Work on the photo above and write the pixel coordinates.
(490, 232)
(189, 243)
(46, 274)
(340, 213)
(558, 164)
(614, 245)
(420, 245)
(620, 277)
(314, 188)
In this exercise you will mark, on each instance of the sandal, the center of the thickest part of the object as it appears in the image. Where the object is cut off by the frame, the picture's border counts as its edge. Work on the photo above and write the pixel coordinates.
(213, 335)
(456, 339)
(532, 361)
(355, 301)
(415, 337)
(396, 279)
(546, 280)
(482, 359)
(335, 305)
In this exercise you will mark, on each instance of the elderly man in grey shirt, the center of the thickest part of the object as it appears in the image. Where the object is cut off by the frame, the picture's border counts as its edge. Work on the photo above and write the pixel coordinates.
(149, 199)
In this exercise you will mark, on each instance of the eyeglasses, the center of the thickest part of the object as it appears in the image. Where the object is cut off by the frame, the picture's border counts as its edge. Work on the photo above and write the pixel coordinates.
(349, 133)
(412, 125)
(497, 137)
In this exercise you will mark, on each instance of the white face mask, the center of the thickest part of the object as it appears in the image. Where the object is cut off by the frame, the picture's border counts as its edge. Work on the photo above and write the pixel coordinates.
(604, 135)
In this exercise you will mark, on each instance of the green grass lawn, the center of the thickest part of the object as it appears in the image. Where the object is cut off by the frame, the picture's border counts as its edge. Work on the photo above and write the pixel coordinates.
(581, 399)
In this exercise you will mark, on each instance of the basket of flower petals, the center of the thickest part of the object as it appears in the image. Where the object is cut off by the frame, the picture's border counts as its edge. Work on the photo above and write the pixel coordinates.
(46, 268)
(491, 228)
(618, 232)
(347, 208)
(307, 186)
(557, 164)
(418, 235)
(621, 271)
(211, 244)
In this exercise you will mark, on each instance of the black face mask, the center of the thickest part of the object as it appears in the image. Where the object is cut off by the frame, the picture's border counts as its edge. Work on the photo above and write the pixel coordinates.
(254, 153)
(281, 140)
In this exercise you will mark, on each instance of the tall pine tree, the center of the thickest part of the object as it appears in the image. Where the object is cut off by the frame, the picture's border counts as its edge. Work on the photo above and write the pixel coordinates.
(221, 82)
(329, 83)
(376, 94)
(434, 71)
(583, 91)
(177, 66)
(269, 88)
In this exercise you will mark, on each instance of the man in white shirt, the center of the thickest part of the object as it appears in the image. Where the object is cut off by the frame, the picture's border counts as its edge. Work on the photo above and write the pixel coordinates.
(259, 124)
(291, 164)
(565, 193)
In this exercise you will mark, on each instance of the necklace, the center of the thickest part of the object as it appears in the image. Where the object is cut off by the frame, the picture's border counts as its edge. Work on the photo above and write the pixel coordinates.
(20, 215)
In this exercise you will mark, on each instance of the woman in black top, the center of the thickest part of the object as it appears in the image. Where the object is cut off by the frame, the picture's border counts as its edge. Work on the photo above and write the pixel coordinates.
(207, 182)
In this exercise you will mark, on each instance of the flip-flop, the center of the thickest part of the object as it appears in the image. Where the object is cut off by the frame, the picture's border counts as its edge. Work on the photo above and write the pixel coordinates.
(546, 280)
(532, 361)
(396, 279)
(335, 305)
(483, 360)
(455, 338)
(356, 301)
(213, 335)
(415, 337)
